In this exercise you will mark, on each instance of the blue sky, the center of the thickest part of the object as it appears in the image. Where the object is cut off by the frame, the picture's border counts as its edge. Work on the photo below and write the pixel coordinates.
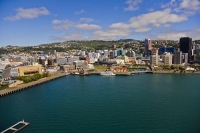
(34, 22)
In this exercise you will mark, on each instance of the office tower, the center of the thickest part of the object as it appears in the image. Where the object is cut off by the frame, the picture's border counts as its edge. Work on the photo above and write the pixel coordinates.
(112, 54)
(198, 55)
(184, 58)
(162, 50)
(186, 46)
(177, 57)
(148, 46)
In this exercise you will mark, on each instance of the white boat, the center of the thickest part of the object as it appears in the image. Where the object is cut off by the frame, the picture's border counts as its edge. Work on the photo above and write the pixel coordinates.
(107, 73)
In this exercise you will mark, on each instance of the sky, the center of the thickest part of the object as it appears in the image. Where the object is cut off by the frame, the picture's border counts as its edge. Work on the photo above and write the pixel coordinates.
(35, 22)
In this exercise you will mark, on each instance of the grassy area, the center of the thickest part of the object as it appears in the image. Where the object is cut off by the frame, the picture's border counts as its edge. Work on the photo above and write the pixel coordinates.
(3, 87)
(92, 70)
(35, 77)
(102, 68)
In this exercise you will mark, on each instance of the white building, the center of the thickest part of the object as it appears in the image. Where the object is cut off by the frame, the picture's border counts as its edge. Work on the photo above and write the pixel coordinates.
(154, 60)
(167, 59)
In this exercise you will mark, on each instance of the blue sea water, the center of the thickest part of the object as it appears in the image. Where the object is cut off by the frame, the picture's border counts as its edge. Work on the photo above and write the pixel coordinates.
(144, 103)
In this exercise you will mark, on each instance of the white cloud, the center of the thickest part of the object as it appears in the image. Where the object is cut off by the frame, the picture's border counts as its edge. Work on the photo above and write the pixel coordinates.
(156, 19)
(71, 36)
(86, 20)
(170, 4)
(62, 24)
(88, 26)
(113, 32)
(56, 21)
(176, 35)
(190, 4)
(110, 34)
(119, 26)
(67, 24)
(138, 24)
(132, 5)
(186, 7)
(144, 22)
(79, 12)
(145, 29)
(29, 13)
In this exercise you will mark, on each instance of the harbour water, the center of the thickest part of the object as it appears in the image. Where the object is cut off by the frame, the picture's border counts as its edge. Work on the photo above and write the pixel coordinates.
(144, 103)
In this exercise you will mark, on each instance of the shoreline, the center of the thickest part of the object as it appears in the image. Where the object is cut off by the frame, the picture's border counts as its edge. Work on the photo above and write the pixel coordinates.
(172, 72)
(20, 87)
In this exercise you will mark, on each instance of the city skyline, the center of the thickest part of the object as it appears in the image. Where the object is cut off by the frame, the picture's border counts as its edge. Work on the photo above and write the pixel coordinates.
(30, 23)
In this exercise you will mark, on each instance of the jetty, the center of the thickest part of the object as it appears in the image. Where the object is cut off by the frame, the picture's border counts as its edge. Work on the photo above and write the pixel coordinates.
(16, 127)
(31, 84)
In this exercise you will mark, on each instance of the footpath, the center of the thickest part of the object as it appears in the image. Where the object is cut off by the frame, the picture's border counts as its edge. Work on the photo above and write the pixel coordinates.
(28, 85)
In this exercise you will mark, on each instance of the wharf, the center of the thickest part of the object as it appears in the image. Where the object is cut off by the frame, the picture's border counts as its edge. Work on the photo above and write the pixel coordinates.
(123, 74)
(14, 128)
(28, 85)
(117, 74)
(138, 72)
(177, 72)
(95, 73)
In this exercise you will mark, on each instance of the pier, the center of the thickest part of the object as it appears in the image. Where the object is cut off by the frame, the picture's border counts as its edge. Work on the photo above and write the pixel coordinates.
(14, 128)
(31, 84)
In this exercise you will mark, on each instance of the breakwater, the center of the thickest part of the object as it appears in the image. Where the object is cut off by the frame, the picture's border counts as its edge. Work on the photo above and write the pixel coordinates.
(28, 85)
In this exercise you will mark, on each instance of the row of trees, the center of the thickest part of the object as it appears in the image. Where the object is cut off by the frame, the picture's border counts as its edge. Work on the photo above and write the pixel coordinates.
(172, 67)
(35, 77)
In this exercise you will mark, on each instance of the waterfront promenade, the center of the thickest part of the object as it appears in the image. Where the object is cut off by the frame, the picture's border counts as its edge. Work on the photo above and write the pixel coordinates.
(28, 85)
(175, 72)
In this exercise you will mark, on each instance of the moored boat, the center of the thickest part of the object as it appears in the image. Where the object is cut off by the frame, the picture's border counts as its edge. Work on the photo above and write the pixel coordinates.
(107, 73)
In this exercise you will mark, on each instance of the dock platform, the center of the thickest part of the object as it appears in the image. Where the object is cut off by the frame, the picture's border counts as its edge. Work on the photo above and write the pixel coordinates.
(14, 129)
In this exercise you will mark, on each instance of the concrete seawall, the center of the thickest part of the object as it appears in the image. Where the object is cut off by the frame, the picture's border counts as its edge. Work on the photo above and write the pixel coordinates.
(28, 85)
(172, 72)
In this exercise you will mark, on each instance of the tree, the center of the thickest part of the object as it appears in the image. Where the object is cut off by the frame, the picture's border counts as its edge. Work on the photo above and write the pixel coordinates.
(128, 54)
(181, 68)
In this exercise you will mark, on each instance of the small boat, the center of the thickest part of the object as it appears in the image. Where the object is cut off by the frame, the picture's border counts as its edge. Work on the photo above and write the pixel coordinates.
(75, 73)
(67, 73)
(107, 73)
(83, 72)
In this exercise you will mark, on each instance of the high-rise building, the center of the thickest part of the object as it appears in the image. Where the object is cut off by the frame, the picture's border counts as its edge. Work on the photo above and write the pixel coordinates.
(198, 55)
(167, 59)
(162, 50)
(186, 46)
(132, 53)
(177, 58)
(184, 58)
(154, 51)
(148, 46)
(112, 54)
(154, 60)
